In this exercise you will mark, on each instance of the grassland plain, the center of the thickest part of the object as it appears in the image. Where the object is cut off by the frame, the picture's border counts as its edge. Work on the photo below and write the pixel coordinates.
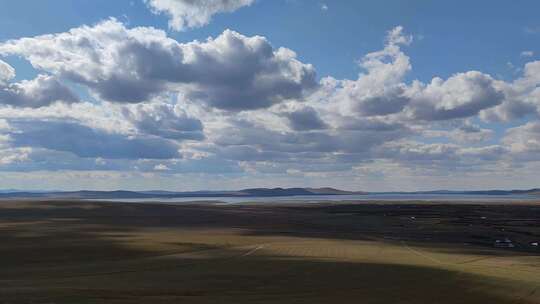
(408, 252)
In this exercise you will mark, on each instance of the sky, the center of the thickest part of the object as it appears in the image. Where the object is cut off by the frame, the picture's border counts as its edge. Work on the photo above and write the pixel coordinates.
(230, 94)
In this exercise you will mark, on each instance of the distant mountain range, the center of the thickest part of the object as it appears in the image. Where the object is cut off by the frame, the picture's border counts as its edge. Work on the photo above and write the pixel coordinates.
(119, 194)
(253, 192)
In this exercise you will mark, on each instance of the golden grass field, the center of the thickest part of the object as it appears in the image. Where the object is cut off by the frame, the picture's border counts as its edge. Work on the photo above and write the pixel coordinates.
(89, 252)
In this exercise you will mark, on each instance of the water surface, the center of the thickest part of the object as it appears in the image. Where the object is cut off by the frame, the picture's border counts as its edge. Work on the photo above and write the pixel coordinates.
(344, 198)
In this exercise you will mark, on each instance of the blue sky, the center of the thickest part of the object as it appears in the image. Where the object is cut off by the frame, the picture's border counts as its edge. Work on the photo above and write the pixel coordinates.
(494, 111)
(454, 36)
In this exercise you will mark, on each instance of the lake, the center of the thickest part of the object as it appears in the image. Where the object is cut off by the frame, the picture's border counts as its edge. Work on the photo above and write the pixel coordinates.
(326, 198)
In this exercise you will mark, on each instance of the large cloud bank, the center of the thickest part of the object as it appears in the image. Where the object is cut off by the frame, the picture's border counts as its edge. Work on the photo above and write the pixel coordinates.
(235, 105)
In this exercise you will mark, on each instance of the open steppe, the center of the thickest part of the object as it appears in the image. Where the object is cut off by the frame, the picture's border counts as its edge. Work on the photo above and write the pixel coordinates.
(408, 252)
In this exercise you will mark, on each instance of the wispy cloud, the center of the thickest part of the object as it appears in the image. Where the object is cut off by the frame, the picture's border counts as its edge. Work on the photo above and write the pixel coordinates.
(532, 29)
(527, 54)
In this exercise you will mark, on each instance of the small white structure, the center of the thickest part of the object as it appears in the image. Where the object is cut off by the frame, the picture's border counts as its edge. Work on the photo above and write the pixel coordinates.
(505, 243)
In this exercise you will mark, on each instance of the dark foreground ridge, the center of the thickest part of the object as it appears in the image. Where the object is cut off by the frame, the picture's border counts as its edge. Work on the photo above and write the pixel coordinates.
(67, 252)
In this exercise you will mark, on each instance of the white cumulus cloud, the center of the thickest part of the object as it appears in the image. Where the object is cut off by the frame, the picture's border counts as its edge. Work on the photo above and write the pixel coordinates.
(184, 14)
(230, 72)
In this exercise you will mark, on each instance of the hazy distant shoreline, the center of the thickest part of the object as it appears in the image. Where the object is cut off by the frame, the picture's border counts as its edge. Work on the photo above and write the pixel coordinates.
(321, 199)
(258, 194)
